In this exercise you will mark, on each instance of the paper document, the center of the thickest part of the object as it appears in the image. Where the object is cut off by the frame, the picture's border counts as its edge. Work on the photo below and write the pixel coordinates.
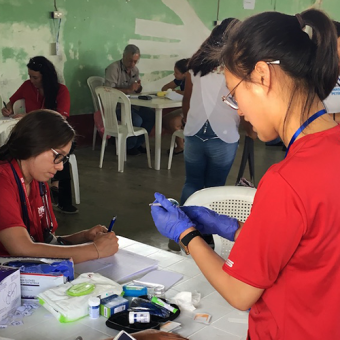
(160, 277)
(174, 95)
(120, 267)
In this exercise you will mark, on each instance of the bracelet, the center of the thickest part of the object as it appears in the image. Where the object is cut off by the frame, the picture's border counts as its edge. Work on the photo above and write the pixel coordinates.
(97, 250)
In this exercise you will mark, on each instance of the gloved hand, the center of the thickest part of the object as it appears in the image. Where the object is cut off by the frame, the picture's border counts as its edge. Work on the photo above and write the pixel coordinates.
(170, 220)
(209, 222)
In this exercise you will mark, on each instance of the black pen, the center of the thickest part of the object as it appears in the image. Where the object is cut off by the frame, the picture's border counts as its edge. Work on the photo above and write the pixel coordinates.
(5, 105)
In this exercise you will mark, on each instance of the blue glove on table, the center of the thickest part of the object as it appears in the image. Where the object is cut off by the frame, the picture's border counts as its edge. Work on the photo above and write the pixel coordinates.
(170, 220)
(209, 222)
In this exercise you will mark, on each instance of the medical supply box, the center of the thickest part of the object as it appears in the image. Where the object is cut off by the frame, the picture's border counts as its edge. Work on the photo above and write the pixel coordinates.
(39, 274)
(113, 304)
(9, 290)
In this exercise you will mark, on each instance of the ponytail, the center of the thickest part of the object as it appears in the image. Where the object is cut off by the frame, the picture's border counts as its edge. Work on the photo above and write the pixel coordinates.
(324, 65)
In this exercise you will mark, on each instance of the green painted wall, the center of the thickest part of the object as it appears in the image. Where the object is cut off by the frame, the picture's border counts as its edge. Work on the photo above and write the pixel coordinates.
(93, 33)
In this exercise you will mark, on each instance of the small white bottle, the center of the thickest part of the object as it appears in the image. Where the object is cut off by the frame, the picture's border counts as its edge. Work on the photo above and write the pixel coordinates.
(140, 317)
(94, 303)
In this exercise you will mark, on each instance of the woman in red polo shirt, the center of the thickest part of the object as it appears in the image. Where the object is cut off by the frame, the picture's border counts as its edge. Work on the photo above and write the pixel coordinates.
(43, 91)
(284, 264)
(37, 148)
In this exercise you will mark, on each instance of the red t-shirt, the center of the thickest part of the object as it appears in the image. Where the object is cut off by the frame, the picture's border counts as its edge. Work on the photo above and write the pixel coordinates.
(10, 206)
(290, 244)
(35, 101)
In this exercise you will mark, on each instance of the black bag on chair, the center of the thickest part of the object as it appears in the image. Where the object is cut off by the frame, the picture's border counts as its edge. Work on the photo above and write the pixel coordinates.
(248, 155)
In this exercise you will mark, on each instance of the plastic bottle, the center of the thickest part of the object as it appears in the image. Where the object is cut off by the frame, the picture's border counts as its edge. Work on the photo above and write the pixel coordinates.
(94, 303)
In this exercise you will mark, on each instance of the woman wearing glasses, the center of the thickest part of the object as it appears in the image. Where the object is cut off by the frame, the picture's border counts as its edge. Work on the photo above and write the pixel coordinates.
(43, 91)
(285, 261)
(37, 148)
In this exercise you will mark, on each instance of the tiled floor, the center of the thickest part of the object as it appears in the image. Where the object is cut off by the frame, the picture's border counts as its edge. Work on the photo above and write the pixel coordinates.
(105, 192)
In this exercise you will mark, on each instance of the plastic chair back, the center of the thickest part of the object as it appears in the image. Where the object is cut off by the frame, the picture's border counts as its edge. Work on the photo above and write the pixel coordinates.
(108, 99)
(19, 106)
(92, 83)
(228, 200)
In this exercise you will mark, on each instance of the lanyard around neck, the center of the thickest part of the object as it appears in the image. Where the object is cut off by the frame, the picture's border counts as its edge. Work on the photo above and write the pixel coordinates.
(303, 126)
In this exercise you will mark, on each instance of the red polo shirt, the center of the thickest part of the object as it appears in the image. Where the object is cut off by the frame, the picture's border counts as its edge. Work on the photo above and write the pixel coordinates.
(290, 244)
(35, 101)
(10, 206)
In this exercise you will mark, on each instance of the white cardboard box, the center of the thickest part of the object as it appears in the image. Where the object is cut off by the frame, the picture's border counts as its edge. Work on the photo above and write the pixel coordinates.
(10, 292)
(33, 283)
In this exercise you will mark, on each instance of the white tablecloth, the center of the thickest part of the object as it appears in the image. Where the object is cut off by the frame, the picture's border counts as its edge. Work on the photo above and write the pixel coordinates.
(227, 323)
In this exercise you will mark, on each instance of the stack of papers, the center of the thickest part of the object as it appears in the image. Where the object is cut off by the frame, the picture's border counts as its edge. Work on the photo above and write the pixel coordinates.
(121, 267)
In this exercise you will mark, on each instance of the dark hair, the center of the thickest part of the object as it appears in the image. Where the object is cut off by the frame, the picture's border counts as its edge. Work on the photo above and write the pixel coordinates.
(49, 80)
(337, 27)
(35, 133)
(131, 49)
(311, 62)
(182, 65)
(201, 60)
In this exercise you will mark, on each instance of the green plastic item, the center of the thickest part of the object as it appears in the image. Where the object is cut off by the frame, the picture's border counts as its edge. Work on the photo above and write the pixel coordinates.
(81, 289)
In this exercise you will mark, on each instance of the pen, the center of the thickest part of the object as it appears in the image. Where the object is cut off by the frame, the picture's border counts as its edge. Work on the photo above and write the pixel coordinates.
(155, 204)
(5, 105)
(112, 223)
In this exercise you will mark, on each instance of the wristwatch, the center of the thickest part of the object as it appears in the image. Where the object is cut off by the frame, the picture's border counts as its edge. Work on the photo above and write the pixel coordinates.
(186, 240)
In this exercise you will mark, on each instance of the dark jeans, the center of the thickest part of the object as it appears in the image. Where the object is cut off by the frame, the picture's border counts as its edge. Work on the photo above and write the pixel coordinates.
(208, 161)
(145, 118)
(64, 178)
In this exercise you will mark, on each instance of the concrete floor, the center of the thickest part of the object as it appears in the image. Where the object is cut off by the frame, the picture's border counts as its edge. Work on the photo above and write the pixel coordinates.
(106, 192)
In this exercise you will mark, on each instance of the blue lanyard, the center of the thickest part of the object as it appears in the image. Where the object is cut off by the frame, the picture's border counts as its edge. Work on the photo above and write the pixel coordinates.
(303, 126)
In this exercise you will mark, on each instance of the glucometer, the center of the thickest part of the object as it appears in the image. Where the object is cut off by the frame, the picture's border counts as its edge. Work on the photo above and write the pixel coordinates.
(145, 97)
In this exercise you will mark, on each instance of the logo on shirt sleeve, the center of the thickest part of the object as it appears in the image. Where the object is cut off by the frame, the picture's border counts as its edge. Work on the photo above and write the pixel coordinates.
(229, 263)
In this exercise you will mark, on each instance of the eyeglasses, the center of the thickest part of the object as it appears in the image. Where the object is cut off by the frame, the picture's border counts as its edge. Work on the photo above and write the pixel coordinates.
(229, 98)
(60, 158)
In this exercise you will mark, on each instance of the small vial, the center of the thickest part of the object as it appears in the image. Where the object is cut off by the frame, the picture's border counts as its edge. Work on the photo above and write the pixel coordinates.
(159, 291)
(94, 303)
(140, 317)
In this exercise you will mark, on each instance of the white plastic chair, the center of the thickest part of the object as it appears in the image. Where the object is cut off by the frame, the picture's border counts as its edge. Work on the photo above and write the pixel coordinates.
(233, 201)
(92, 83)
(75, 177)
(108, 98)
(19, 107)
(177, 133)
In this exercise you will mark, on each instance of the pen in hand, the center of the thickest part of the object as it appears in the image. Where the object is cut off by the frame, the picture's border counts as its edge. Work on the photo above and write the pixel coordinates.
(5, 105)
(112, 223)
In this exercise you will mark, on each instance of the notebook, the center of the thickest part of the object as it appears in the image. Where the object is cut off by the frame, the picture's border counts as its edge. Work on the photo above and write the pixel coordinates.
(121, 267)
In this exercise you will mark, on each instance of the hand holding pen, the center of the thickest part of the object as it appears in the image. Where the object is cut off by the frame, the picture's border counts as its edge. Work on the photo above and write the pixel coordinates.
(111, 224)
(6, 111)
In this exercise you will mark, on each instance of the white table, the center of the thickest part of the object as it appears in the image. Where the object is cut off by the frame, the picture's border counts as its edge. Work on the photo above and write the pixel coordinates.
(227, 323)
(5, 127)
(158, 104)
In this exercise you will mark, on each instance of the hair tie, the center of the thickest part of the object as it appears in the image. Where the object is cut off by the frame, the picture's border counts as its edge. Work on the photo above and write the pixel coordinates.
(301, 21)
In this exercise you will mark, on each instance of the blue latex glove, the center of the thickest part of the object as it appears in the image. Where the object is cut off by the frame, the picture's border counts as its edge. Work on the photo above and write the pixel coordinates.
(170, 220)
(209, 222)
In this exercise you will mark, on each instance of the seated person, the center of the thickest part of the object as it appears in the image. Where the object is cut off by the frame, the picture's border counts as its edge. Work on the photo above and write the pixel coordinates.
(43, 90)
(124, 76)
(38, 147)
(173, 121)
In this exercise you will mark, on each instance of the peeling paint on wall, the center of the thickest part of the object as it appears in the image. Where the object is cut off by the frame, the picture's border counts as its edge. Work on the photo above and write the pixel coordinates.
(19, 44)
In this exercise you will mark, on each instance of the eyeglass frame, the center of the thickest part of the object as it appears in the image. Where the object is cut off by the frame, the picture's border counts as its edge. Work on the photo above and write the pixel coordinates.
(63, 159)
(229, 98)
